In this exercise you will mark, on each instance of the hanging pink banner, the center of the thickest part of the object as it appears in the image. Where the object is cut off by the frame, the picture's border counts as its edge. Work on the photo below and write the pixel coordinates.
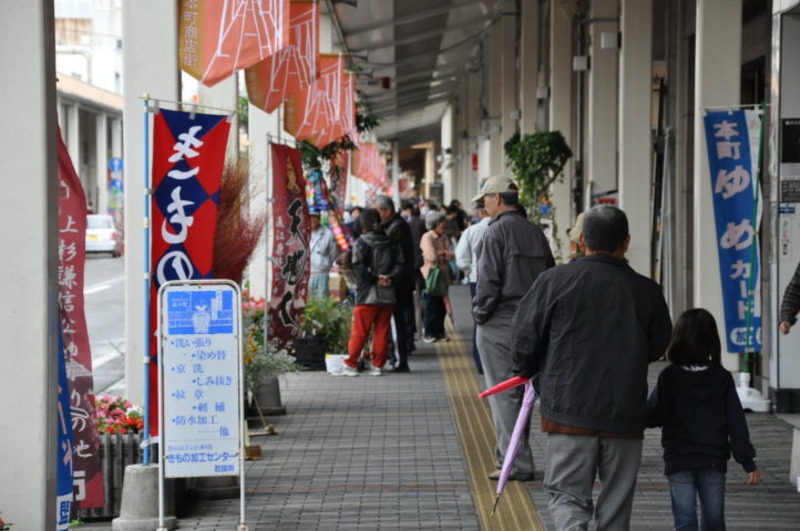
(314, 114)
(87, 476)
(218, 37)
(291, 69)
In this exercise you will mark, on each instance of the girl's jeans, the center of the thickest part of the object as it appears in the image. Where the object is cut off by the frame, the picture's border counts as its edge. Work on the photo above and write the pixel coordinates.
(686, 486)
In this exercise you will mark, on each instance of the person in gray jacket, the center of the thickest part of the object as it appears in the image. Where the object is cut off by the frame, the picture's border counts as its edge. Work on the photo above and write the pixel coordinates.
(512, 253)
(378, 264)
(589, 329)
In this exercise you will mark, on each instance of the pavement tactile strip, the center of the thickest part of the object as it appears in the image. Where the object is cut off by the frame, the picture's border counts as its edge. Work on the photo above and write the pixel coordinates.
(474, 424)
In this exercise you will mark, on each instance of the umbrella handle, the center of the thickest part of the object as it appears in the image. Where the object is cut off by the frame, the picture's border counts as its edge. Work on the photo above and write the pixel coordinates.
(511, 383)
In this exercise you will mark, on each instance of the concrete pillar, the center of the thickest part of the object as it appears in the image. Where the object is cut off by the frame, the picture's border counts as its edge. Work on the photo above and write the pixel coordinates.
(635, 149)
(151, 66)
(101, 166)
(326, 33)
(261, 128)
(529, 66)
(560, 110)
(396, 174)
(116, 137)
(601, 135)
(491, 124)
(471, 141)
(445, 160)
(72, 137)
(509, 86)
(29, 318)
(224, 95)
(717, 78)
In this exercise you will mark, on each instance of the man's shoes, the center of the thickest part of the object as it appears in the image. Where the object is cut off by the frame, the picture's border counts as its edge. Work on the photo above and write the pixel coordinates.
(429, 339)
(441, 339)
(402, 368)
(514, 476)
(347, 371)
(376, 371)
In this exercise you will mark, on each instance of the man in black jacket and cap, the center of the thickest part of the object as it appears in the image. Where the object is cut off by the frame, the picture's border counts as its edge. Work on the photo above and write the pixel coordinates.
(589, 329)
(399, 232)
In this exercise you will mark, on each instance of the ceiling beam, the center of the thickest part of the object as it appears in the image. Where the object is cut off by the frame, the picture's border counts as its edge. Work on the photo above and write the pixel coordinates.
(423, 35)
(416, 87)
(407, 19)
(419, 99)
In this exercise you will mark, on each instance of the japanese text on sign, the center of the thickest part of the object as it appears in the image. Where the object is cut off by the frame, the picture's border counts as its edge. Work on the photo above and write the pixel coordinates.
(202, 395)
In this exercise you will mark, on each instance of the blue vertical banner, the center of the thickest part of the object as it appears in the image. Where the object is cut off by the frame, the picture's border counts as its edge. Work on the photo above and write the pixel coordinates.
(733, 139)
(64, 453)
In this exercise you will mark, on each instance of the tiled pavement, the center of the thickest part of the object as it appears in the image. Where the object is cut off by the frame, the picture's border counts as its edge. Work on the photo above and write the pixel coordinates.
(383, 453)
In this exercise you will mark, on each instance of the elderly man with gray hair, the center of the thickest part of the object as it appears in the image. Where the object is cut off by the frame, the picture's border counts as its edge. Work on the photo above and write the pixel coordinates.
(512, 253)
(589, 329)
(399, 232)
(436, 253)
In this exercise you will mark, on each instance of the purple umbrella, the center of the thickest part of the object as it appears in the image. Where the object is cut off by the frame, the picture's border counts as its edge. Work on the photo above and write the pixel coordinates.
(516, 439)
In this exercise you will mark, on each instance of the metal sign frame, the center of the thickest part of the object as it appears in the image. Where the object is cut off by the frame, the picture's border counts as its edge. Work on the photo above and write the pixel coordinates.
(198, 286)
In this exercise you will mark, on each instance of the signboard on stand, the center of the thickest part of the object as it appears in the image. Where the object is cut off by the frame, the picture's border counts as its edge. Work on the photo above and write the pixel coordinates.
(201, 391)
(200, 380)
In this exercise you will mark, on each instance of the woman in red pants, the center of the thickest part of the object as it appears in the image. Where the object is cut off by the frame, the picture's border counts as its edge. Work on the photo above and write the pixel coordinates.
(377, 262)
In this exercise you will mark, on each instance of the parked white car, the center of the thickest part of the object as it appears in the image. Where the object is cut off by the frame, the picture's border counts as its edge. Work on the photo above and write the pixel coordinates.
(102, 235)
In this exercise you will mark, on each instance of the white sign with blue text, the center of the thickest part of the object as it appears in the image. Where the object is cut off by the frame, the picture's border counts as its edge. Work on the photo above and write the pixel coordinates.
(200, 368)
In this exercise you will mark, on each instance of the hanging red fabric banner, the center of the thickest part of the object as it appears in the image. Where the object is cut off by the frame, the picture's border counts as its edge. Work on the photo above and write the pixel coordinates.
(290, 254)
(314, 114)
(291, 69)
(188, 157)
(218, 37)
(87, 475)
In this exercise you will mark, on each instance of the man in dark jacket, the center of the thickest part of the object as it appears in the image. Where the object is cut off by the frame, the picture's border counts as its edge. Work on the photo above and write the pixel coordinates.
(378, 264)
(512, 253)
(398, 232)
(589, 329)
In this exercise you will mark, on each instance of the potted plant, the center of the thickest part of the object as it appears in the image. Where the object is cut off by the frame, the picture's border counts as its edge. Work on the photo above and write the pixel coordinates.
(325, 329)
(537, 161)
(264, 359)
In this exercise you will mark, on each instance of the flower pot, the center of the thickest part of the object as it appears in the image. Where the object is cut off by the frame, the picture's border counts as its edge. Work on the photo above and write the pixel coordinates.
(267, 396)
(116, 452)
(310, 353)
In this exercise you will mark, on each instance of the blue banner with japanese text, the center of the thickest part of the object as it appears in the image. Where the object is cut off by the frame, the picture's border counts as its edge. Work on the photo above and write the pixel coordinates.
(733, 139)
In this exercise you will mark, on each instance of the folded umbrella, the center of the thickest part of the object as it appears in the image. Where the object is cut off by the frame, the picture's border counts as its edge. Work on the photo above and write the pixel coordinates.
(528, 398)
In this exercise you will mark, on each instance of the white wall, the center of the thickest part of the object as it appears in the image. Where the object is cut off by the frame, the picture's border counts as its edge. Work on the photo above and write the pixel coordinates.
(28, 317)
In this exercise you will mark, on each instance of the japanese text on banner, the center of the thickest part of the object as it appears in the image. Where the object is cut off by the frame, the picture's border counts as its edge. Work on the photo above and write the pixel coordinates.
(733, 140)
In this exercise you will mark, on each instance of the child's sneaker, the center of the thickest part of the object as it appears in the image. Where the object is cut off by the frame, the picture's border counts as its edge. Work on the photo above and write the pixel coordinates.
(347, 371)
(376, 371)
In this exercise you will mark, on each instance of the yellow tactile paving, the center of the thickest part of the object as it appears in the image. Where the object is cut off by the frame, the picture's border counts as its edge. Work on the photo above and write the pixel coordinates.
(516, 510)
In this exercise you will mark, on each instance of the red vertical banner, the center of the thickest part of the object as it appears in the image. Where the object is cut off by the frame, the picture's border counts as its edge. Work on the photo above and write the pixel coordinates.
(315, 113)
(291, 69)
(188, 157)
(290, 254)
(218, 37)
(87, 476)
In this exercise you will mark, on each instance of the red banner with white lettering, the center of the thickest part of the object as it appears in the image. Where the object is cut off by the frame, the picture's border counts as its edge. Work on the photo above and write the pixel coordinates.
(188, 157)
(87, 476)
(291, 69)
(290, 254)
(218, 37)
(315, 114)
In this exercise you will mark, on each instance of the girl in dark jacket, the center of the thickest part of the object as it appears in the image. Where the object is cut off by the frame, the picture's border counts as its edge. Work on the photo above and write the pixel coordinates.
(695, 402)
(377, 262)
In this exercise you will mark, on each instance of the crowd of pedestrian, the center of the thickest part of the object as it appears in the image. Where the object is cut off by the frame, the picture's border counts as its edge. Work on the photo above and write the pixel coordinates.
(585, 331)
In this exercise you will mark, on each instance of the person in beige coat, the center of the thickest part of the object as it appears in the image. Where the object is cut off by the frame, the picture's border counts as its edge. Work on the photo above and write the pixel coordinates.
(436, 252)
